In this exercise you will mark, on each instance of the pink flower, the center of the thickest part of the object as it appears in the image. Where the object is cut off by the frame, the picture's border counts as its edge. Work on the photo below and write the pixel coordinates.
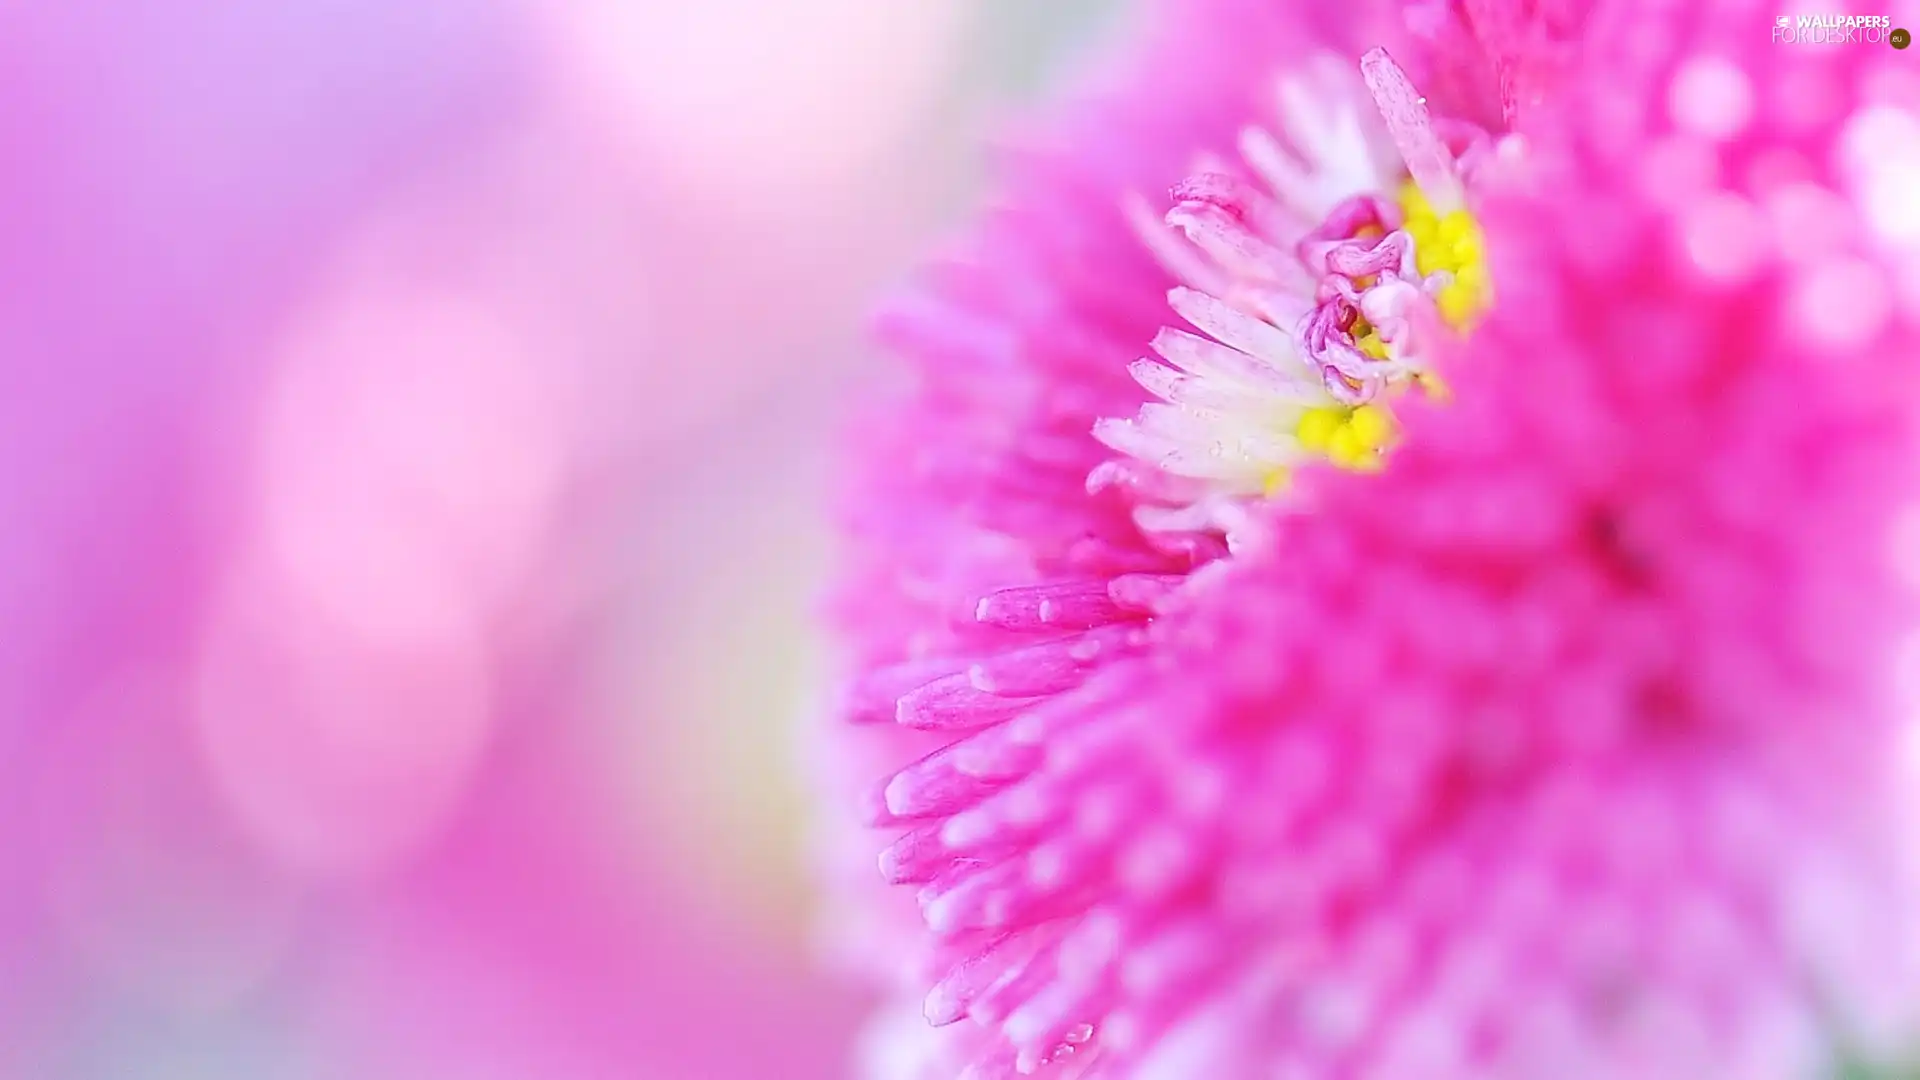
(1468, 648)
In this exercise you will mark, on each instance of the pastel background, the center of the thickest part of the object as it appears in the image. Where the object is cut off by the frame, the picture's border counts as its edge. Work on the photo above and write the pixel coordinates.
(412, 421)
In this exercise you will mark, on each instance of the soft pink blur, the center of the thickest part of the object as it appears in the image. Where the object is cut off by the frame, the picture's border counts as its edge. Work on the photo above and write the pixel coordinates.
(410, 417)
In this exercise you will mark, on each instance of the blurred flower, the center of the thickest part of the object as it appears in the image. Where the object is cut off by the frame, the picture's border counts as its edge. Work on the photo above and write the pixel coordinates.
(1561, 732)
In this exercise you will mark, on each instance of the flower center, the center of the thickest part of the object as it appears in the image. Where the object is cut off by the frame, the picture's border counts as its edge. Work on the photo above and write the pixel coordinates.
(1448, 259)
(1315, 329)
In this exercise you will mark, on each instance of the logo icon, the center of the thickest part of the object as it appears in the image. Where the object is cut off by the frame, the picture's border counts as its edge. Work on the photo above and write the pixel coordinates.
(1900, 38)
(1785, 21)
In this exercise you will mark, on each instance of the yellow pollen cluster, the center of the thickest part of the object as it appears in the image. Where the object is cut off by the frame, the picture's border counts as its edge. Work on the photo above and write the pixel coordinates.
(1368, 340)
(1451, 243)
(1351, 436)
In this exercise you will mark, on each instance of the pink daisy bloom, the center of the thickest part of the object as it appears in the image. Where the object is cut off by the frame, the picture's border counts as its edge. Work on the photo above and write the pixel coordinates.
(1424, 600)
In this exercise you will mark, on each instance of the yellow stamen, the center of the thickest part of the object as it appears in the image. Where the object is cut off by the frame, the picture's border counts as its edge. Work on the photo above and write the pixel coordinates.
(1458, 303)
(1452, 244)
(1317, 425)
(1369, 341)
(1371, 425)
(1350, 437)
(1345, 448)
(1455, 227)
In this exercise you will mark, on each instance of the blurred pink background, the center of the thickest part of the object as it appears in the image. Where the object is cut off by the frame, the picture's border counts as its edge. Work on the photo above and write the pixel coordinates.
(414, 415)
